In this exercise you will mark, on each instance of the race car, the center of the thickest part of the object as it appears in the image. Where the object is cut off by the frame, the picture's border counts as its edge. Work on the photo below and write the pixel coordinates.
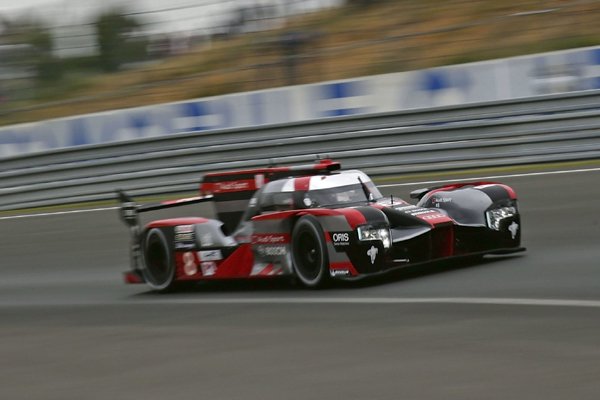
(316, 223)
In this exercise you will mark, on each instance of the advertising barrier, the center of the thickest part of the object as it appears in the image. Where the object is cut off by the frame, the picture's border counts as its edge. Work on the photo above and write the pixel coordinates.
(503, 79)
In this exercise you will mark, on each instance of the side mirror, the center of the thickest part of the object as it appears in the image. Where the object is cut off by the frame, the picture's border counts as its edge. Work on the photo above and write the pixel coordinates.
(419, 193)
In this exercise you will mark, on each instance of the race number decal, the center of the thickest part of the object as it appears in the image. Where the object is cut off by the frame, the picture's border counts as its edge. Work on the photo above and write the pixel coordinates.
(189, 263)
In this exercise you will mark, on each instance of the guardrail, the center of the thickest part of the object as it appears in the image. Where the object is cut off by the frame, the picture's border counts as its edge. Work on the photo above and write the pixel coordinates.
(539, 129)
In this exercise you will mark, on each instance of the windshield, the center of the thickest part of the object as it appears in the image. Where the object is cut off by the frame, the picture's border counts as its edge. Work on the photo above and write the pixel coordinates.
(341, 195)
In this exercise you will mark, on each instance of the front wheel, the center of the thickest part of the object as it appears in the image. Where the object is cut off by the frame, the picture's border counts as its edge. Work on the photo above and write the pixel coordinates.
(309, 252)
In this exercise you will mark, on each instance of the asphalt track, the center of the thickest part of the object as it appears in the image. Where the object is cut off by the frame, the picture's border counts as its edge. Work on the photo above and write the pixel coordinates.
(520, 327)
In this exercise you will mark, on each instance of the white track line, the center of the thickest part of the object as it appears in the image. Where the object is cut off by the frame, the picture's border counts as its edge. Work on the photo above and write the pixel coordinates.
(378, 300)
(59, 213)
(572, 171)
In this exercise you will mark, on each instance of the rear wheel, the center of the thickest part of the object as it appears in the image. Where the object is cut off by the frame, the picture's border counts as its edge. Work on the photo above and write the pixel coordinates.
(159, 268)
(309, 252)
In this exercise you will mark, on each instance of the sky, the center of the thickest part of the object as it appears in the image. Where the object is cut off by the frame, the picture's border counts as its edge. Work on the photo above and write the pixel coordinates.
(189, 15)
(71, 21)
(8, 5)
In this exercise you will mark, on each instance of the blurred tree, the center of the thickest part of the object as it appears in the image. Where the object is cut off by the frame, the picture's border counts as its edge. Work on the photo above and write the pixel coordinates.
(293, 44)
(112, 29)
(3, 25)
(37, 50)
(47, 66)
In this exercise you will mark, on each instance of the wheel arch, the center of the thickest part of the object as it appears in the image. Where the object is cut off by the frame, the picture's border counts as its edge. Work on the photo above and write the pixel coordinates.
(312, 273)
(158, 257)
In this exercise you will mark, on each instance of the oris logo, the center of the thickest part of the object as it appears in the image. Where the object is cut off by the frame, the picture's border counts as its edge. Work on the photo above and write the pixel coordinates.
(341, 238)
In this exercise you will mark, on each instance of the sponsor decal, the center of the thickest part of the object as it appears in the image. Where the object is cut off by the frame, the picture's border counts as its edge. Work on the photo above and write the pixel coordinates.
(184, 246)
(270, 238)
(264, 269)
(405, 208)
(184, 229)
(184, 237)
(513, 228)
(339, 272)
(272, 250)
(432, 216)
(210, 255)
(232, 186)
(436, 201)
(267, 269)
(208, 268)
(372, 252)
(340, 238)
(277, 270)
(441, 200)
(422, 213)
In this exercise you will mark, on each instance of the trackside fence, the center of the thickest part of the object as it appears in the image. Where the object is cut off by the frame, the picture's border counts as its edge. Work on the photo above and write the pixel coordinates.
(532, 130)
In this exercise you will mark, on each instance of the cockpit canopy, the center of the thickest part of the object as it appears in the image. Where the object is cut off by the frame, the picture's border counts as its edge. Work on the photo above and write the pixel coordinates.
(345, 189)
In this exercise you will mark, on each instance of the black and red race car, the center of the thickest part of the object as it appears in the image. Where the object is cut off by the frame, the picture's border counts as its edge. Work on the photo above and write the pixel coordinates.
(317, 223)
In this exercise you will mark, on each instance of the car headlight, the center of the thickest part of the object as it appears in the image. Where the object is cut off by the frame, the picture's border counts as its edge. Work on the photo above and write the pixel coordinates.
(366, 233)
(494, 217)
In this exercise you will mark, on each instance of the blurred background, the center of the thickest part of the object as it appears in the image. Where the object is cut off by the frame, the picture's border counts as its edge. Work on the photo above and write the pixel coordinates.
(60, 58)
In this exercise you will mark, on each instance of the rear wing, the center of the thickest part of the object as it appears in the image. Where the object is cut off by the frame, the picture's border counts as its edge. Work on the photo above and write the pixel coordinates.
(230, 191)
(129, 209)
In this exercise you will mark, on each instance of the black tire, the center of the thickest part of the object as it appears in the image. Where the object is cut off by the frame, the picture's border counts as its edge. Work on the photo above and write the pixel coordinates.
(159, 268)
(309, 253)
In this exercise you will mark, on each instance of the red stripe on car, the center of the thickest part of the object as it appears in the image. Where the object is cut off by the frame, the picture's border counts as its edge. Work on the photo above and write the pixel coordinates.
(302, 184)
(511, 193)
(176, 221)
(266, 271)
(353, 216)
